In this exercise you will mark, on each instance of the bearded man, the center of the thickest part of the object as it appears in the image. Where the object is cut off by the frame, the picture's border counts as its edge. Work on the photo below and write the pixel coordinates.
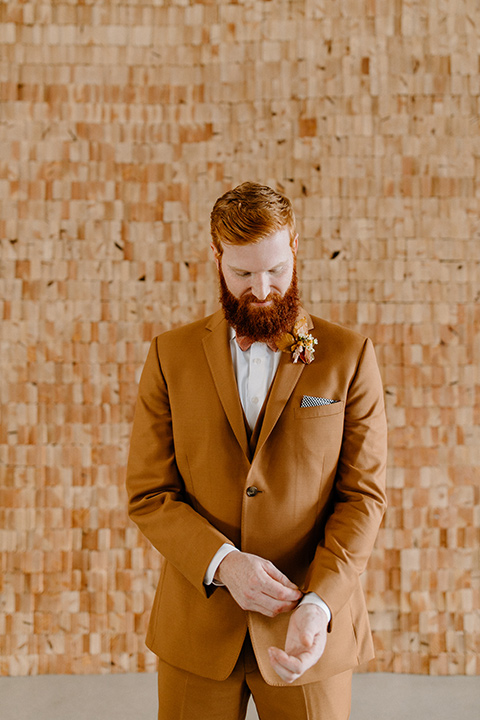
(257, 469)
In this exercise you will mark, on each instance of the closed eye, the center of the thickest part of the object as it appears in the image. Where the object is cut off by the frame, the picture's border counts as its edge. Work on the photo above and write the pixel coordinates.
(277, 270)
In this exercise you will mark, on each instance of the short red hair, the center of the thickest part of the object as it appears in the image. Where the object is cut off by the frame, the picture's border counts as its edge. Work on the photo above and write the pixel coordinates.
(249, 213)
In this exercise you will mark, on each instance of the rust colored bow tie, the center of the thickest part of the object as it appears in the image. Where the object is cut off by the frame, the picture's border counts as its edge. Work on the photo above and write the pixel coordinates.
(245, 343)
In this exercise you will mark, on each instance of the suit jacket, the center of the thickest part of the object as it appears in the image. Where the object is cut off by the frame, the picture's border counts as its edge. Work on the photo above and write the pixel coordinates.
(320, 470)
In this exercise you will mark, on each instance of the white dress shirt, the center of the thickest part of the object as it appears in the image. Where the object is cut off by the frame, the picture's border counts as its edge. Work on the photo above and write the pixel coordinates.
(254, 369)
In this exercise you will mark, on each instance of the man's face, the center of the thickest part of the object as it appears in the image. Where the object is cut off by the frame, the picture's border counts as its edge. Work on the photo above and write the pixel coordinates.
(259, 269)
(258, 285)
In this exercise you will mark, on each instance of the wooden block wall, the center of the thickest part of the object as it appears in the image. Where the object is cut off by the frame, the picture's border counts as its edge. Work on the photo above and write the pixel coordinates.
(120, 124)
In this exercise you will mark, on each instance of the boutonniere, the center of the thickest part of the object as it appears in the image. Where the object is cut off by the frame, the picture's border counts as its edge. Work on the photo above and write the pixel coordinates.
(299, 342)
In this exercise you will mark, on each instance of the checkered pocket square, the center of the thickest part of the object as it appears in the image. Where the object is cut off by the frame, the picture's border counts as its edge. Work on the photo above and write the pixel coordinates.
(311, 401)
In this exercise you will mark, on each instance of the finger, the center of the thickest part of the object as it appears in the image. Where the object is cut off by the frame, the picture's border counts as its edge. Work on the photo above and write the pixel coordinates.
(292, 663)
(272, 607)
(280, 597)
(297, 645)
(278, 590)
(305, 639)
(277, 575)
(284, 675)
(268, 588)
(256, 600)
(287, 667)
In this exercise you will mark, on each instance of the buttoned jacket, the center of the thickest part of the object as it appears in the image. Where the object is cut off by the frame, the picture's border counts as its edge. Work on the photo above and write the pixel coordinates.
(309, 495)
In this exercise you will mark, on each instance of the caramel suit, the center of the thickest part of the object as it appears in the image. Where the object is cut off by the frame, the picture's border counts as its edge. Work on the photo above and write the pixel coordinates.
(305, 490)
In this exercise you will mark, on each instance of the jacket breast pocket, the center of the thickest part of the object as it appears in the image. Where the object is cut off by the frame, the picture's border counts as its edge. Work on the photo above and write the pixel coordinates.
(320, 410)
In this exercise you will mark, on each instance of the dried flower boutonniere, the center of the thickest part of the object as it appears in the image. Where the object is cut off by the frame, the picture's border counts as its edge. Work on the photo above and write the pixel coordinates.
(299, 342)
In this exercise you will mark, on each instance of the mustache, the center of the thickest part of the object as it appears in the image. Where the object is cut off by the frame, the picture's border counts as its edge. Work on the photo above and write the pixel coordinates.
(270, 319)
(250, 299)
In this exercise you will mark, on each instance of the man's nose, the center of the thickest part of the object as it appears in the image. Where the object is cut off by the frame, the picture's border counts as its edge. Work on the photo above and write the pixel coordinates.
(261, 286)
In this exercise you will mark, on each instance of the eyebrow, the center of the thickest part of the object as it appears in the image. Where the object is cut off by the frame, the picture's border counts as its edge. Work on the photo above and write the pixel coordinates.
(242, 270)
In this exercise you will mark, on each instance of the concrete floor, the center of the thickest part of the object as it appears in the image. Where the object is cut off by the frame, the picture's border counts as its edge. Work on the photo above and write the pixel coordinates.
(376, 696)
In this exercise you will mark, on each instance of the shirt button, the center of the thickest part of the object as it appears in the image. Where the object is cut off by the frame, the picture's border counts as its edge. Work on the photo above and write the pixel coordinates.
(252, 491)
(255, 400)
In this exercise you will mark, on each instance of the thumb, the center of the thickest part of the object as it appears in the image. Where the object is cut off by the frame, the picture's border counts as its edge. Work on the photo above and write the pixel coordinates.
(306, 631)
(307, 638)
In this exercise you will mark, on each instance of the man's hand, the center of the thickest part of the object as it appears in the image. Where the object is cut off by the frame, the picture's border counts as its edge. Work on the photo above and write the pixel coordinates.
(305, 643)
(256, 584)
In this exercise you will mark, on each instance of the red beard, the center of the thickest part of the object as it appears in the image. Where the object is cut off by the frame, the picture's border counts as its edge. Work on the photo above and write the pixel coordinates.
(260, 323)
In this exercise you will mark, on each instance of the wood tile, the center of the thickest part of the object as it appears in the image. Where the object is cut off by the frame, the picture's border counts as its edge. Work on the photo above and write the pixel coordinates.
(119, 127)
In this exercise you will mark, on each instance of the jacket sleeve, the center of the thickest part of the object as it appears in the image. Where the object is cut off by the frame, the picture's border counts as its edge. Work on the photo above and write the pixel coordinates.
(359, 498)
(157, 500)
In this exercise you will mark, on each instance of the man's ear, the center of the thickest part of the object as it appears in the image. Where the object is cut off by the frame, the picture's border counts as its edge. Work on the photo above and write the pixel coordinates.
(295, 244)
(216, 256)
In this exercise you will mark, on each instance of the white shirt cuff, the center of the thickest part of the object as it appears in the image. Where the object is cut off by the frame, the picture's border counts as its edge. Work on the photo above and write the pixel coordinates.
(216, 560)
(313, 599)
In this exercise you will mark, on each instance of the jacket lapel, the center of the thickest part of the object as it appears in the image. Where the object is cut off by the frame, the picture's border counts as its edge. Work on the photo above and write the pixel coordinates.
(286, 378)
(217, 351)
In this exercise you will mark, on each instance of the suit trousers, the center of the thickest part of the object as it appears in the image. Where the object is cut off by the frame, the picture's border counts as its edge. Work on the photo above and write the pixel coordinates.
(184, 696)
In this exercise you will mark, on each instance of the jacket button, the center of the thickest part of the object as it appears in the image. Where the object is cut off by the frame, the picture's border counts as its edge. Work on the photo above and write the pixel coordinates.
(252, 491)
